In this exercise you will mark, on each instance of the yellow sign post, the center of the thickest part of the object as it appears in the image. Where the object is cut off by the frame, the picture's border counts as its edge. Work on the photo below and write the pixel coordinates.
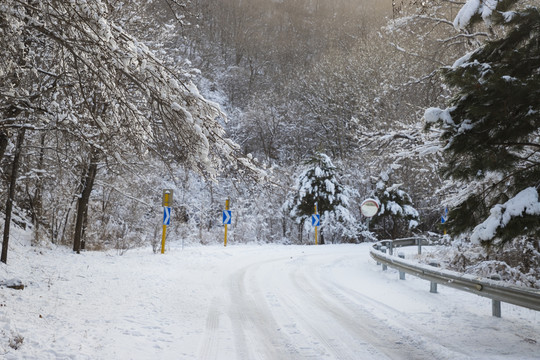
(316, 226)
(444, 219)
(163, 239)
(226, 219)
(167, 197)
(167, 203)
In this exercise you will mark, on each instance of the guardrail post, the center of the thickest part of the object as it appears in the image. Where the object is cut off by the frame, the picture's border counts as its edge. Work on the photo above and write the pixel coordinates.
(383, 249)
(378, 247)
(401, 273)
(419, 240)
(390, 248)
(433, 286)
(495, 304)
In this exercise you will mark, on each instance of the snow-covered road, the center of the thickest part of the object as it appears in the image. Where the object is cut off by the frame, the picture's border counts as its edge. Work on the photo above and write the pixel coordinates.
(246, 302)
(296, 307)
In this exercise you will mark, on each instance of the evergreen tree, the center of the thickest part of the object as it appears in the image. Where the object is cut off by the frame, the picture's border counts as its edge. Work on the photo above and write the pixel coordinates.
(491, 132)
(396, 215)
(318, 185)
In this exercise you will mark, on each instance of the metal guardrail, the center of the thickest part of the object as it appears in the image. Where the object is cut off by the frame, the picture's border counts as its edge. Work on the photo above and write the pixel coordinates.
(493, 289)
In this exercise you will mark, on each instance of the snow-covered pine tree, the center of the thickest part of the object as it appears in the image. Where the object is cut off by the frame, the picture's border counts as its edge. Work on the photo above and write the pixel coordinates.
(492, 134)
(397, 215)
(318, 184)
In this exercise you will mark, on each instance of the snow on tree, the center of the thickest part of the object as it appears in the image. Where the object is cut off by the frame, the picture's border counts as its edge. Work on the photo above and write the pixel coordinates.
(491, 133)
(489, 11)
(68, 67)
(397, 215)
(525, 205)
(318, 185)
(123, 90)
(475, 8)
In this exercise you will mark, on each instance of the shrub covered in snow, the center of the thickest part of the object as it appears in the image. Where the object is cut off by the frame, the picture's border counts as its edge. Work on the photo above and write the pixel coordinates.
(396, 216)
(318, 185)
(518, 263)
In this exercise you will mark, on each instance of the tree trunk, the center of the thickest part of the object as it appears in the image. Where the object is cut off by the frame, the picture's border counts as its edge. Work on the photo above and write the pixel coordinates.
(83, 232)
(321, 242)
(395, 229)
(3, 143)
(82, 203)
(66, 223)
(36, 200)
(11, 194)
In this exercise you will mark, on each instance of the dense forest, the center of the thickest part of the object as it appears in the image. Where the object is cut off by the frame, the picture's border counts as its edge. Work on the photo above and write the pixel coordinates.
(276, 105)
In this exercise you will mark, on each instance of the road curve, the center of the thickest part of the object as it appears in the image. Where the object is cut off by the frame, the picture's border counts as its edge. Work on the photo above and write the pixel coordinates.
(296, 307)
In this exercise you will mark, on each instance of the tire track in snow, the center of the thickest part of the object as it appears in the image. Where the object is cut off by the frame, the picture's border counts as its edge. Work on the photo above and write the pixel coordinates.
(396, 326)
(357, 322)
(209, 349)
(282, 309)
(347, 314)
(314, 330)
(395, 320)
(324, 341)
(255, 329)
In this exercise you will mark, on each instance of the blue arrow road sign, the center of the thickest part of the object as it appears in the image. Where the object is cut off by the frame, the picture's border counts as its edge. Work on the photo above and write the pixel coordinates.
(444, 218)
(227, 215)
(166, 216)
(316, 220)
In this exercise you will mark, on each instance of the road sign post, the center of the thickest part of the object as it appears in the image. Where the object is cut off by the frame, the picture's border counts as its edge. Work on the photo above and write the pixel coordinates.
(227, 217)
(163, 239)
(444, 219)
(316, 221)
(167, 198)
(166, 203)
(166, 221)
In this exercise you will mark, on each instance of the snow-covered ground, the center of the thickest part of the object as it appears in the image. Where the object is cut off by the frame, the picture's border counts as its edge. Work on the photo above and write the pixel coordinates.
(244, 302)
